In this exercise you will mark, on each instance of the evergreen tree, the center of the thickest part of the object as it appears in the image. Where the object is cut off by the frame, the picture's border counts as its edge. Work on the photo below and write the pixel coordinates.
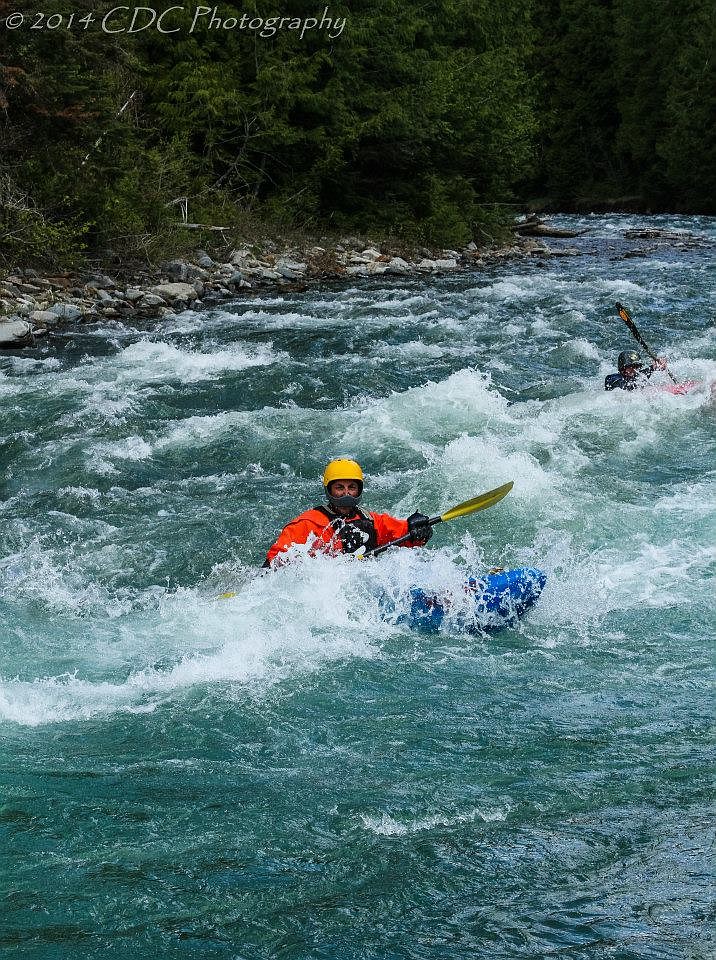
(688, 143)
(626, 103)
(575, 59)
(418, 121)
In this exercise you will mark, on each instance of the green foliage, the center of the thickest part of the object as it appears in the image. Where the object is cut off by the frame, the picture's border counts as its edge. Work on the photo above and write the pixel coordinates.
(688, 142)
(407, 123)
(576, 58)
(27, 236)
(419, 121)
(627, 101)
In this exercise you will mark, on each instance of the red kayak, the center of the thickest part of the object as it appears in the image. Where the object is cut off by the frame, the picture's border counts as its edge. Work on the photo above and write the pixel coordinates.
(678, 388)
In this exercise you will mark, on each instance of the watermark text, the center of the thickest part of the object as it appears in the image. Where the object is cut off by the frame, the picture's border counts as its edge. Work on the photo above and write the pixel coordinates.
(173, 20)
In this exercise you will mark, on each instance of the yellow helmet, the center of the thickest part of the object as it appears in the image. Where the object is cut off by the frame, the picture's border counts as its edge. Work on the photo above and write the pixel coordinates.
(342, 470)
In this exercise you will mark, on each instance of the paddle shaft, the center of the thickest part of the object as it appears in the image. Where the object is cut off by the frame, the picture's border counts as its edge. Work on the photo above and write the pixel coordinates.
(395, 543)
(633, 329)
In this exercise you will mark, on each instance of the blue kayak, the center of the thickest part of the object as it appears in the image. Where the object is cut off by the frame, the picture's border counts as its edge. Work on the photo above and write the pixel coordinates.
(501, 598)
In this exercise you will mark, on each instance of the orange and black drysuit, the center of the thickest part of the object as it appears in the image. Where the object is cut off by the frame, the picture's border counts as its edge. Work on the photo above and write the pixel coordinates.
(333, 534)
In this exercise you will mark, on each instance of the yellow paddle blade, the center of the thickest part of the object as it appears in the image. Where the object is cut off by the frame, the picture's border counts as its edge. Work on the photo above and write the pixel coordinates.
(478, 503)
(226, 596)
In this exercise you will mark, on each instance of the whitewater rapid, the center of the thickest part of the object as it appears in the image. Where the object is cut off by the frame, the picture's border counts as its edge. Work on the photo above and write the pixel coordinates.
(146, 471)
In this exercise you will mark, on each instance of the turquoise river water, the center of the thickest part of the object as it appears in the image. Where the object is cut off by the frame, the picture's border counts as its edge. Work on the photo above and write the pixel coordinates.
(284, 775)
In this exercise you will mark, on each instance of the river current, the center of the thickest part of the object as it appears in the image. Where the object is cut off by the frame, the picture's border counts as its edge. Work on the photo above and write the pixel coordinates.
(282, 774)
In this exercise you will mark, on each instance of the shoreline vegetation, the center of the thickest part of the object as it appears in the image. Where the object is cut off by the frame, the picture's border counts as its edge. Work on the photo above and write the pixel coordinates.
(426, 124)
(144, 170)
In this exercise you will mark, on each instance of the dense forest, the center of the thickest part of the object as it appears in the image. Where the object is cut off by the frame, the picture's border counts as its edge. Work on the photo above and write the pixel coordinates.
(424, 120)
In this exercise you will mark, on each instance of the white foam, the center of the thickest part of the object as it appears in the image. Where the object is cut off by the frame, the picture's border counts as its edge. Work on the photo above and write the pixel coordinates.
(10, 386)
(291, 622)
(519, 288)
(509, 289)
(48, 575)
(114, 388)
(151, 361)
(582, 589)
(480, 462)
(583, 348)
(430, 412)
(270, 425)
(130, 448)
(298, 619)
(691, 499)
(81, 494)
(34, 364)
(293, 320)
(421, 350)
(384, 825)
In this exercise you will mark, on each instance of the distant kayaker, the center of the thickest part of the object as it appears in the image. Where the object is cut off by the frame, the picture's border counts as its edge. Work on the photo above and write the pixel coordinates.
(344, 527)
(632, 371)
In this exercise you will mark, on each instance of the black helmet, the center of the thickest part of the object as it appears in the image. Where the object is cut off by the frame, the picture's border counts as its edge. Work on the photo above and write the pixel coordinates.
(628, 358)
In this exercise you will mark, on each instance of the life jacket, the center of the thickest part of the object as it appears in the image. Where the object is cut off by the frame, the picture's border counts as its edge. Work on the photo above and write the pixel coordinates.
(615, 381)
(352, 533)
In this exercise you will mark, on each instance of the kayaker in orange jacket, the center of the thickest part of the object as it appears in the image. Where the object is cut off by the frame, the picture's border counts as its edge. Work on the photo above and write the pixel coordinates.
(342, 526)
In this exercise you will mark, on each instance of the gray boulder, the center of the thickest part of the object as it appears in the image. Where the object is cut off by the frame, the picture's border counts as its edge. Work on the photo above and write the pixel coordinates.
(152, 300)
(398, 265)
(267, 274)
(375, 266)
(45, 318)
(174, 291)
(182, 271)
(291, 270)
(14, 334)
(65, 311)
(101, 281)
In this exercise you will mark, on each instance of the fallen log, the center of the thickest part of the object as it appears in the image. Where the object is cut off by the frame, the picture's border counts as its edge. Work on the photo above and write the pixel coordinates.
(534, 227)
(198, 226)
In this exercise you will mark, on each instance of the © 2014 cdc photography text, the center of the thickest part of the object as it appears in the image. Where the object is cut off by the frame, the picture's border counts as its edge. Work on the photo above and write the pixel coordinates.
(175, 19)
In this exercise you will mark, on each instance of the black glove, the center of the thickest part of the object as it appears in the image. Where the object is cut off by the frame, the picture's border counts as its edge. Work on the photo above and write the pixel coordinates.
(419, 528)
(352, 538)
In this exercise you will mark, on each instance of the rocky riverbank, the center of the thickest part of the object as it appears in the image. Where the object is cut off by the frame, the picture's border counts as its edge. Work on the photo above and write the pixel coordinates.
(32, 304)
